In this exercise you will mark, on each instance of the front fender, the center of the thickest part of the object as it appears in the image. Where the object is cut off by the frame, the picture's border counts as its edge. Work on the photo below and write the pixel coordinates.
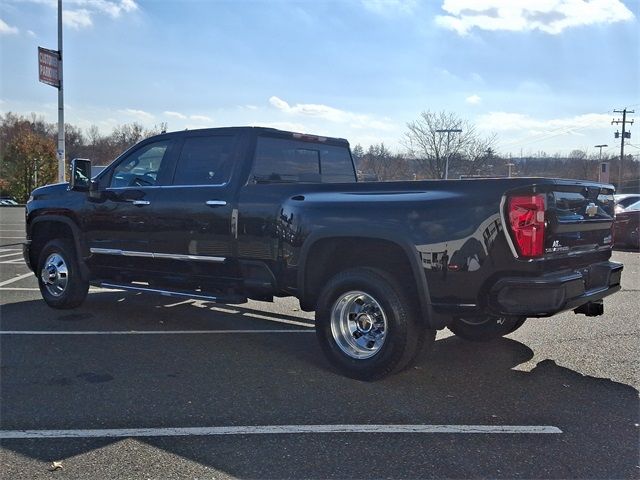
(80, 246)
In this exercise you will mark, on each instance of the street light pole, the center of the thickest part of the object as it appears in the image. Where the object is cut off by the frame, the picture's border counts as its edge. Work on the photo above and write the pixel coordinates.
(60, 152)
(448, 131)
(600, 147)
(510, 165)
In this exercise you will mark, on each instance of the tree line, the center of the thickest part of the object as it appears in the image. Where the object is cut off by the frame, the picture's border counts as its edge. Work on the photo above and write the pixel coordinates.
(28, 153)
(28, 149)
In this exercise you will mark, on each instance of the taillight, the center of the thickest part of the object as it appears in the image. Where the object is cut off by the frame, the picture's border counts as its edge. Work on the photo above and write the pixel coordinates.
(526, 217)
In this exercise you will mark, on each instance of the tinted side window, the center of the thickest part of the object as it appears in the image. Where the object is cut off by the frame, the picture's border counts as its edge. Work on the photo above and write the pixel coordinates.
(279, 159)
(204, 161)
(336, 165)
(140, 169)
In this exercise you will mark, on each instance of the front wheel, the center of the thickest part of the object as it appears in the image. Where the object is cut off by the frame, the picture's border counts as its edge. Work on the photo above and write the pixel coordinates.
(483, 329)
(367, 326)
(59, 279)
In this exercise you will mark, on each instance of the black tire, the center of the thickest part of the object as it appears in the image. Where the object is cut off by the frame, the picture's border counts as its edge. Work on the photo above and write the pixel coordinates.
(484, 329)
(405, 336)
(59, 259)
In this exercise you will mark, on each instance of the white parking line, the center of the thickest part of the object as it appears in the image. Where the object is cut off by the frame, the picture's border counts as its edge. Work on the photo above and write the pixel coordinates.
(276, 429)
(148, 332)
(16, 279)
(279, 320)
(10, 254)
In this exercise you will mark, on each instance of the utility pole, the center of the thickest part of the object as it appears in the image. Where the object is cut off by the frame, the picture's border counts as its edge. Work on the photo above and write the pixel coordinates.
(448, 131)
(622, 137)
(60, 151)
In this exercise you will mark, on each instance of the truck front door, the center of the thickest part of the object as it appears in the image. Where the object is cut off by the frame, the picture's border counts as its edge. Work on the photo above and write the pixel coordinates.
(120, 224)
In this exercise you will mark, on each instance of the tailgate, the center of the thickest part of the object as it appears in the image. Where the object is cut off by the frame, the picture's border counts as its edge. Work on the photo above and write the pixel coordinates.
(578, 218)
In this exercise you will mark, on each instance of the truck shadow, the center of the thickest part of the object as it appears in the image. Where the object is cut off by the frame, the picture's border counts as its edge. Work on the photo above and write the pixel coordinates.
(282, 379)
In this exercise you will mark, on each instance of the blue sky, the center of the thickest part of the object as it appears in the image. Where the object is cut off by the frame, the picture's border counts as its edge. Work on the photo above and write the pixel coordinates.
(543, 74)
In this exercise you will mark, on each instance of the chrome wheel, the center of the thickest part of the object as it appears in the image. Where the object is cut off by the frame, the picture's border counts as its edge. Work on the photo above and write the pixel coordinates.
(358, 325)
(55, 274)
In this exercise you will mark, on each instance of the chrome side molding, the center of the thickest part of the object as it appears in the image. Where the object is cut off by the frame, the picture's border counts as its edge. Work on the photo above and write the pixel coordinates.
(165, 256)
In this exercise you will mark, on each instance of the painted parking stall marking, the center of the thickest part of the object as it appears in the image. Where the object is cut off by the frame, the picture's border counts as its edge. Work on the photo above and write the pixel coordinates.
(278, 429)
(150, 332)
(16, 279)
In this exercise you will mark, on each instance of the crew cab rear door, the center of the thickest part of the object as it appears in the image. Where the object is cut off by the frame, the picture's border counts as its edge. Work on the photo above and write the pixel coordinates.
(194, 214)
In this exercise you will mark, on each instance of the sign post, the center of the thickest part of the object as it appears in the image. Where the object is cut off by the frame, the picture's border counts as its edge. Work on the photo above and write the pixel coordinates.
(50, 72)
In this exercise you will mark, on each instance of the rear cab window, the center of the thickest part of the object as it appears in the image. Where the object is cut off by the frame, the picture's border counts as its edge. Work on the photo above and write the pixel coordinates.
(205, 160)
(282, 160)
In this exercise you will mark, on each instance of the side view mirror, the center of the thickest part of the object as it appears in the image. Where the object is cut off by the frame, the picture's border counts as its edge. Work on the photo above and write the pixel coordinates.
(80, 174)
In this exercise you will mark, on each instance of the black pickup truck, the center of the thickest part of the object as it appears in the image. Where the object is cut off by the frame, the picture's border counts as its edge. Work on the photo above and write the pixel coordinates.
(231, 214)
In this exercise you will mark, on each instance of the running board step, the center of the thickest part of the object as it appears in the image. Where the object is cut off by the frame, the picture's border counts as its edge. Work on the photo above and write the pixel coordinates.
(228, 299)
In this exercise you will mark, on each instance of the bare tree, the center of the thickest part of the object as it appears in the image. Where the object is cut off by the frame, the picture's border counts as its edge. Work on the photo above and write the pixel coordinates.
(386, 166)
(466, 152)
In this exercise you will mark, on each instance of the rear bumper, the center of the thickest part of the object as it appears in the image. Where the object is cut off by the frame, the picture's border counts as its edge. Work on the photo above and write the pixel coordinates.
(549, 294)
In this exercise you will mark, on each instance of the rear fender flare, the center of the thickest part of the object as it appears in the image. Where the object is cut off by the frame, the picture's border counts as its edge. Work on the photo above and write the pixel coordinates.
(408, 248)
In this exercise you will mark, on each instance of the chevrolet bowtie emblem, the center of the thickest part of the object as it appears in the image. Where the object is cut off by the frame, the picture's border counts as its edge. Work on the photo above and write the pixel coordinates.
(591, 210)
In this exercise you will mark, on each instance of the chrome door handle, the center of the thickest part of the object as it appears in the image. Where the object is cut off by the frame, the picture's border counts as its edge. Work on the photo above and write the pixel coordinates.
(141, 202)
(216, 203)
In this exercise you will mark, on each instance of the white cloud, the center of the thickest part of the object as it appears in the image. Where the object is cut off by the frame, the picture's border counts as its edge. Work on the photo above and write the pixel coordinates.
(138, 114)
(355, 120)
(32, 34)
(289, 126)
(390, 6)
(200, 118)
(77, 19)
(78, 14)
(476, 77)
(177, 115)
(550, 16)
(473, 99)
(6, 29)
(182, 116)
(506, 121)
(113, 9)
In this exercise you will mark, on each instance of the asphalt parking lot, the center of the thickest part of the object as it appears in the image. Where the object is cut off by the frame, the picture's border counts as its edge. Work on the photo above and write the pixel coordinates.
(135, 386)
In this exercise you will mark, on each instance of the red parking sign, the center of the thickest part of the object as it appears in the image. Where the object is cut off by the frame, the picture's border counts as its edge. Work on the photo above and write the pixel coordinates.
(49, 67)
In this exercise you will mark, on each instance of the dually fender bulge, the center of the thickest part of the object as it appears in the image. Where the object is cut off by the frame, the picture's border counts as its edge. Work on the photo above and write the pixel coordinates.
(398, 239)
